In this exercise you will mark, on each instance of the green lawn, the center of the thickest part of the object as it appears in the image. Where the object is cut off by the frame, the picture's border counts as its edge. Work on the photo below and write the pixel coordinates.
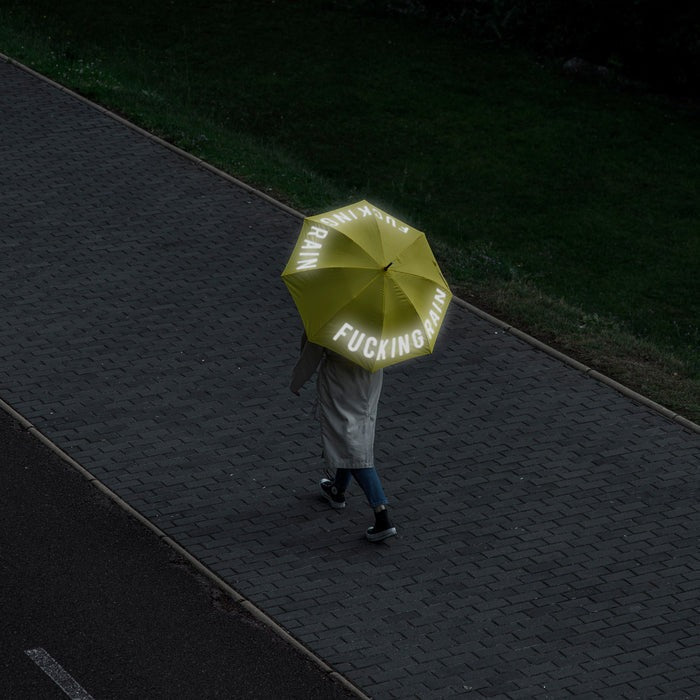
(568, 209)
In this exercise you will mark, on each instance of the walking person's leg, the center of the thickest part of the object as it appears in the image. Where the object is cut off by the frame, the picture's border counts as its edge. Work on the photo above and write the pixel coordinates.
(369, 481)
(371, 484)
(334, 491)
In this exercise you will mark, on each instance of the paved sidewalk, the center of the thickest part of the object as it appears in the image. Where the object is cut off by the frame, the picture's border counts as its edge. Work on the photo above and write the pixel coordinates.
(548, 525)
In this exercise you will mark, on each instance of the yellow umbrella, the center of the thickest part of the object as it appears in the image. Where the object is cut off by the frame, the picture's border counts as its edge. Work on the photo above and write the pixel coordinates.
(367, 286)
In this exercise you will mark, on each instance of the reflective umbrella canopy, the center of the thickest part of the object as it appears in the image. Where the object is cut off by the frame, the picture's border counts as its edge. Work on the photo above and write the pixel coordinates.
(367, 286)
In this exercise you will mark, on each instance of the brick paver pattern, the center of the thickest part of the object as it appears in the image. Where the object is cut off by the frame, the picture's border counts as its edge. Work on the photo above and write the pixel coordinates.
(548, 526)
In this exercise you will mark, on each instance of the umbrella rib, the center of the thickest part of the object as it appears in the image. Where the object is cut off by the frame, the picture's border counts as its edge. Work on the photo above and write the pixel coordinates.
(345, 267)
(442, 281)
(339, 310)
(414, 308)
(381, 240)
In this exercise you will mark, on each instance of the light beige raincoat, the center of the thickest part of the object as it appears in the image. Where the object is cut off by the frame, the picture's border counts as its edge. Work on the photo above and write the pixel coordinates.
(348, 396)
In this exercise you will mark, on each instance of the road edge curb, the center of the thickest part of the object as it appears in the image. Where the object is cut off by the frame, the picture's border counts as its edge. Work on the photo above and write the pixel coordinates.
(579, 366)
(166, 539)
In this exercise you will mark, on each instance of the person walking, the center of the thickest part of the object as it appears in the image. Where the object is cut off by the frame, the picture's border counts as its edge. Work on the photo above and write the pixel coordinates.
(348, 396)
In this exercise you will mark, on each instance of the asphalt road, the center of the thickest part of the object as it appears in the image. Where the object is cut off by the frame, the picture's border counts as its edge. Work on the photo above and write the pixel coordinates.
(109, 611)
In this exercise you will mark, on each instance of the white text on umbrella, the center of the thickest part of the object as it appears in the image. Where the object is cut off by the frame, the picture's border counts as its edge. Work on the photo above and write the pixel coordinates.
(310, 249)
(349, 215)
(396, 346)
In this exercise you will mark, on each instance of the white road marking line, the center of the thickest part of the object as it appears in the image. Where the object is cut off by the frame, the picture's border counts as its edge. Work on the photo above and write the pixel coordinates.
(58, 674)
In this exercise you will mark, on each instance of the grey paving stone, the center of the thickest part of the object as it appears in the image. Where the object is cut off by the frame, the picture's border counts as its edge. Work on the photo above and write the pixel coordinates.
(548, 525)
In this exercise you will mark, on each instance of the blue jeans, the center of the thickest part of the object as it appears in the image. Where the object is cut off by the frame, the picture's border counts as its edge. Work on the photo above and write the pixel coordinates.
(368, 479)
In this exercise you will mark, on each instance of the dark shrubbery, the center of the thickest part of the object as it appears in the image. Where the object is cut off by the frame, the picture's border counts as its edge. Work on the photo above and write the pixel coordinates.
(654, 41)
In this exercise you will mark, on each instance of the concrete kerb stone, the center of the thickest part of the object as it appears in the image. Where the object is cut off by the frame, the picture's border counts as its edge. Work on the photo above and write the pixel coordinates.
(534, 342)
(594, 374)
(265, 619)
(246, 604)
(687, 423)
(26, 425)
(626, 391)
